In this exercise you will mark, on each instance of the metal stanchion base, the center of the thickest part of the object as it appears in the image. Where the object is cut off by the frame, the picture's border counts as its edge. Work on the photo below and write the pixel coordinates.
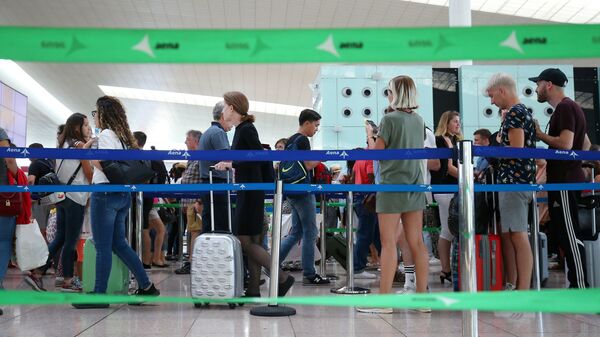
(345, 290)
(273, 311)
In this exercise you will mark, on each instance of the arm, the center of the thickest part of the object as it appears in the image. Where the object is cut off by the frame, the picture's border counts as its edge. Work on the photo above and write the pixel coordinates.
(452, 170)
(563, 142)
(86, 166)
(516, 137)
(586, 143)
(433, 165)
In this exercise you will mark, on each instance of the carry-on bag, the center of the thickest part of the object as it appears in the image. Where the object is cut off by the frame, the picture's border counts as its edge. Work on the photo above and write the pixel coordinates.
(118, 281)
(217, 270)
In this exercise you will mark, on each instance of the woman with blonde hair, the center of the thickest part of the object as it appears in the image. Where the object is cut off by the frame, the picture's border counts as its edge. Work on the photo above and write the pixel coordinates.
(401, 128)
(447, 135)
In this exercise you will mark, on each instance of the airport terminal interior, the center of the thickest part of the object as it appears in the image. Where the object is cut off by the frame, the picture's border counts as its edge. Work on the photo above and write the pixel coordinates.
(325, 102)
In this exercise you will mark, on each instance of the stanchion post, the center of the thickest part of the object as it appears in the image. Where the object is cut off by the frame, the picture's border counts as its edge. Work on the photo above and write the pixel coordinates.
(272, 309)
(181, 230)
(139, 204)
(468, 268)
(350, 289)
(535, 237)
(323, 266)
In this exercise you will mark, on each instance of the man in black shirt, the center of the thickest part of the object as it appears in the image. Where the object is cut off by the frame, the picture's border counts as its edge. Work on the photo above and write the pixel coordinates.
(304, 225)
(567, 131)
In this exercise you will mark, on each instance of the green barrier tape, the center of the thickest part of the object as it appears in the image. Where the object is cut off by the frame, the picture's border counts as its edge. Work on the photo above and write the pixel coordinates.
(47, 44)
(167, 205)
(555, 300)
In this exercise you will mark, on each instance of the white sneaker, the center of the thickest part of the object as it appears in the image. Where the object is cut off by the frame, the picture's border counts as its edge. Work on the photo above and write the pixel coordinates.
(401, 267)
(375, 310)
(423, 310)
(407, 291)
(433, 261)
(364, 275)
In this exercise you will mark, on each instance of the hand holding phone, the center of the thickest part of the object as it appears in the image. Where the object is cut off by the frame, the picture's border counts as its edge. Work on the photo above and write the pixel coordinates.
(373, 126)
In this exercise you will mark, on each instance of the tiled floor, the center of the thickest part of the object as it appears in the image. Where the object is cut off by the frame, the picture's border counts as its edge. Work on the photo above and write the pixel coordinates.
(183, 320)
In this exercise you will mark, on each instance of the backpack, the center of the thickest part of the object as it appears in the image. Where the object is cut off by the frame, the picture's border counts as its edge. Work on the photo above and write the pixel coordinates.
(293, 171)
(161, 173)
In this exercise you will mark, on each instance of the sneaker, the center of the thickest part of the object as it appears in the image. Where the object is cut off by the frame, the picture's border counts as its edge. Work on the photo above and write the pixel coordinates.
(406, 291)
(423, 310)
(285, 286)
(433, 261)
(364, 275)
(375, 310)
(509, 287)
(59, 281)
(185, 269)
(316, 280)
(35, 282)
(74, 287)
(150, 291)
(401, 267)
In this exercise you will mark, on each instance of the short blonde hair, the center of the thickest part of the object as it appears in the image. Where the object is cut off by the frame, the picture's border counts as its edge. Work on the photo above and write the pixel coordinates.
(404, 93)
(503, 80)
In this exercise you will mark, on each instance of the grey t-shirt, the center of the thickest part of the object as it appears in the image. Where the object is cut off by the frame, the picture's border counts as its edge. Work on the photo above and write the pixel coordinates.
(214, 138)
(401, 130)
(3, 169)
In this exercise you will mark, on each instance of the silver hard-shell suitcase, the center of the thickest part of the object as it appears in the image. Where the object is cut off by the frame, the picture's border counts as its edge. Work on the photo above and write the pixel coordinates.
(217, 270)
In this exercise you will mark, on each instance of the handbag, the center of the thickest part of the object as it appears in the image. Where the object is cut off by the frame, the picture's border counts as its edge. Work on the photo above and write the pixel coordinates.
(127, 171)
(293, 171)
(30, 247)
(10, 203)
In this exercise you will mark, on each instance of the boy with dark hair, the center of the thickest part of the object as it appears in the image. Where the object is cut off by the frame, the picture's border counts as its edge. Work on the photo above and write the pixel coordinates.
(304, 215)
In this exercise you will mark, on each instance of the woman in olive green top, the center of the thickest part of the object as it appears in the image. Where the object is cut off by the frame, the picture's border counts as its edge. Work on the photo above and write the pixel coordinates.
(402, 128)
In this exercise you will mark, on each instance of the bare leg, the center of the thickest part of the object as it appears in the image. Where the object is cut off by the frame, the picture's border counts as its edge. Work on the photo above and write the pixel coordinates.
(510, 263)
(413, 228)
(389, 224)
(524, 259)
(159, 228)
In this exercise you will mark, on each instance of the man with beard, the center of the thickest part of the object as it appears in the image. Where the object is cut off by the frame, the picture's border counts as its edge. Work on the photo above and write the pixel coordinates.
(566, 131)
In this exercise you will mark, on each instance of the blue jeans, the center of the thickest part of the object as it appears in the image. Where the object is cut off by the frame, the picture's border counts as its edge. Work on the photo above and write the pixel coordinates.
(367, 233)
(108, 213)
(7, 233)
(304, 227)
(69, 220)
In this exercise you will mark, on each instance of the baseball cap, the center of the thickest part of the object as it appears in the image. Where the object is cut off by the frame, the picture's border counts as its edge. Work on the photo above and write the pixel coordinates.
(3, 135)
(553, 75)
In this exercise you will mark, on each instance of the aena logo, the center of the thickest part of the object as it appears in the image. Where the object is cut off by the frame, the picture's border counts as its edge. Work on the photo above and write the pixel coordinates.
(167, 45)
(535, 40)
(10, 149)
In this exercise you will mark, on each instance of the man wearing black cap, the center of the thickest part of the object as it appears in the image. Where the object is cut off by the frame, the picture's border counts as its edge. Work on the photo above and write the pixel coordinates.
(566, 131)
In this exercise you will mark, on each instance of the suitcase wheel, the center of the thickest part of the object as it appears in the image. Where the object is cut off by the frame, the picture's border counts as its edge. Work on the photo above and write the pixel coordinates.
(231, 305)
(241, 304)
(200, 305)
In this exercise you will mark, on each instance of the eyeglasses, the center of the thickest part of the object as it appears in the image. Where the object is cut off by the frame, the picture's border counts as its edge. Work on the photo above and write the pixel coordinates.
(94, 113)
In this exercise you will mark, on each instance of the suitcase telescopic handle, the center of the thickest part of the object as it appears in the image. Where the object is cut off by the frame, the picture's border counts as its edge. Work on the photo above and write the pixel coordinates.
(212, 200)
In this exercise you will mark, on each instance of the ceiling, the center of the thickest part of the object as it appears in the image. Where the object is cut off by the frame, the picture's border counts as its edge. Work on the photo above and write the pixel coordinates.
(76, 85)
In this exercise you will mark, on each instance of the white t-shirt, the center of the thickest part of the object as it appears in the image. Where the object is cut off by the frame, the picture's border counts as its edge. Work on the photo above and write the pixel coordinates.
(107, 140)
(65, 169)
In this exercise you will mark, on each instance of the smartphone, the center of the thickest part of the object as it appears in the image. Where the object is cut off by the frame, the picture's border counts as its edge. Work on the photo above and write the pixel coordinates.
(373, 125)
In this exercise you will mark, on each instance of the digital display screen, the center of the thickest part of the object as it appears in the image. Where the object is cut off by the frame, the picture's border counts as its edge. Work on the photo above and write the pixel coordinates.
(13, 114)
